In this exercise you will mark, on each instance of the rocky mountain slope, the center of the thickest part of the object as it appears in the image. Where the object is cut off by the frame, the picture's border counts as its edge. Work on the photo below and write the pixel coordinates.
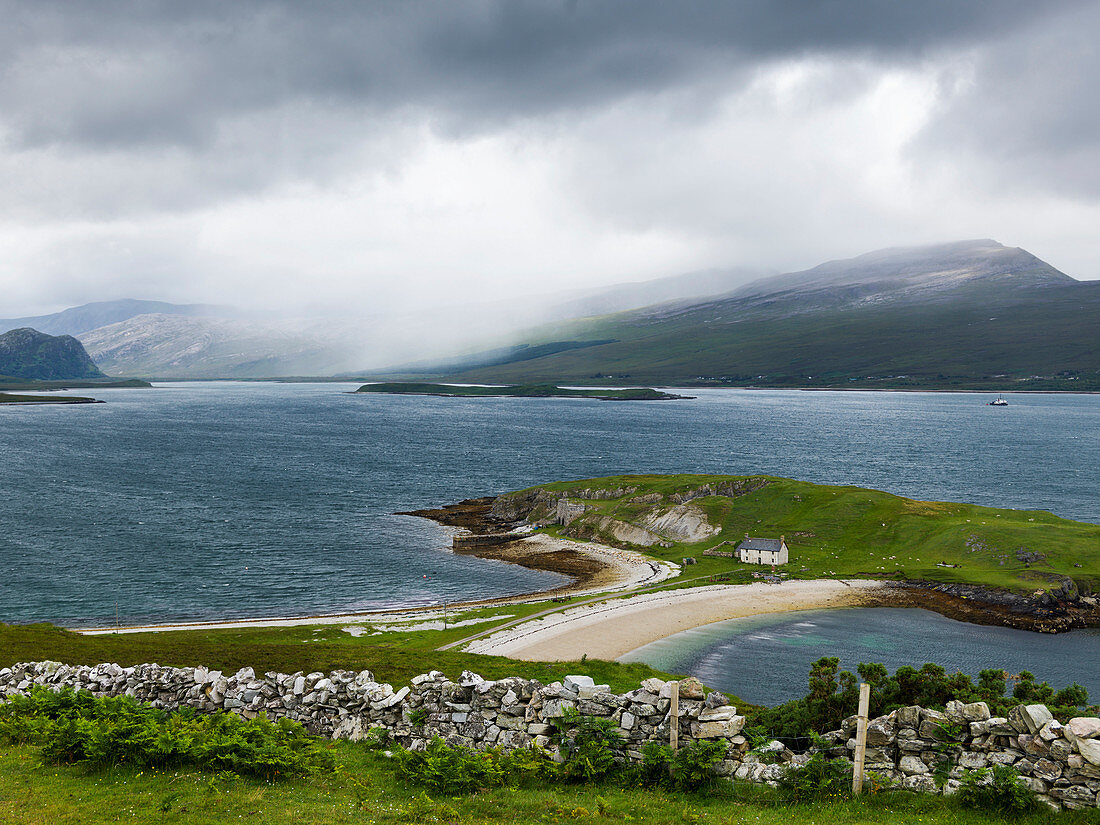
(32, 355)
(78, 320)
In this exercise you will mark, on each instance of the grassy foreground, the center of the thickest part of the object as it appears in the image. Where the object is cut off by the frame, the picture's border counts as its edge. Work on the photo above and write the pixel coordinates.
(364, 790)
(855, 532)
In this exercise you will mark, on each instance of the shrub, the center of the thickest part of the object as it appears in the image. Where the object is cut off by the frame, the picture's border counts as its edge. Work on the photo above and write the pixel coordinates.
(817, 779)
(689, 769)
(588, 745)
(997, 789)
(75, 727)
(449, 769)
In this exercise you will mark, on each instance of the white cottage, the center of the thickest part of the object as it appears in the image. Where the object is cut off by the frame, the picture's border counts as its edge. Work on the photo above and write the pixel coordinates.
(762, 551)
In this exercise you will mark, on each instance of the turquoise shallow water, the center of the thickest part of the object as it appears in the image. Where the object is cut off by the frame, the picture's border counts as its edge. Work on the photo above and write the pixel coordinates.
(766, 659)
(215, 500)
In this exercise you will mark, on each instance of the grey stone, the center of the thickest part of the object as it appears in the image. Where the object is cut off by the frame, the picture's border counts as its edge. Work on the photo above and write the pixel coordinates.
(1083, 727)
(691, 688)
(1051, 730)
(1089, 750)
(716, 714)
(1029, 718)
(1046, 770)
(574, 683)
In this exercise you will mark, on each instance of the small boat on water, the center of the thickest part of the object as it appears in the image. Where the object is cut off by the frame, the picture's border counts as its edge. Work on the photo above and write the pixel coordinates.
(1000, 402)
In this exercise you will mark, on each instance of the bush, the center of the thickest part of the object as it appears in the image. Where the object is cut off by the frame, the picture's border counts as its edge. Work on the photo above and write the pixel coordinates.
(75, 727)
(689, 769)
(450, 770)
(819, 778)
(588, 745)
(833, 695)
(459, 769)
(997, 789)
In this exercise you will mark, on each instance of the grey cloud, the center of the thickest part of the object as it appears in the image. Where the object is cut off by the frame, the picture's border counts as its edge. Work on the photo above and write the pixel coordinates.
(1031, 116)
(120, 74)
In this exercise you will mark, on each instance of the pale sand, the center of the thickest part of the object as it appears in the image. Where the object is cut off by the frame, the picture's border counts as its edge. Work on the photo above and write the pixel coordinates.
(622, 570)
(613, 628)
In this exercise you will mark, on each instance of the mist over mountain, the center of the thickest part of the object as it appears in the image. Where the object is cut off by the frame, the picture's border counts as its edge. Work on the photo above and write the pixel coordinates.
(943, 314)
(81, 319)
(32, 355)
(960, 313)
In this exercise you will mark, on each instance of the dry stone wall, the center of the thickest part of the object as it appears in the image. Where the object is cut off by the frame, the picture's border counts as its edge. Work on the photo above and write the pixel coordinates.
(1060, 762)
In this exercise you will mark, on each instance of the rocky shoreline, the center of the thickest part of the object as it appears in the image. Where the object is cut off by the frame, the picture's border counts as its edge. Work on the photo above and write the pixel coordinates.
(1067, 610)
(475, 516)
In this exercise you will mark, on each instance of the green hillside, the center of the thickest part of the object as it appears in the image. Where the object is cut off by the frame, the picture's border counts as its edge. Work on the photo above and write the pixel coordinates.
(850, 531)
(1009, 322)
(28, 354)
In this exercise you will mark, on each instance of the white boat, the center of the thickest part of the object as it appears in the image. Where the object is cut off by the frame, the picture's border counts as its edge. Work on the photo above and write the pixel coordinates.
(1000, 402)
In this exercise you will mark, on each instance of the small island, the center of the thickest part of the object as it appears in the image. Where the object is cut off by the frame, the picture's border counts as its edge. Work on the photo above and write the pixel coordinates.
(520, 391)
(9, 398)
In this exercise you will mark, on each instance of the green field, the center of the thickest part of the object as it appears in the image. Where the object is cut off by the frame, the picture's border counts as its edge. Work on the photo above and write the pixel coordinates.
(836, 532)
(394, 656)
(516, 391)
(363, 789)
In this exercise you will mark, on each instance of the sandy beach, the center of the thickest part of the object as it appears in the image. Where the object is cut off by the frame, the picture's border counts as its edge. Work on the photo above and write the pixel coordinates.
(610, 629)
(605, 570)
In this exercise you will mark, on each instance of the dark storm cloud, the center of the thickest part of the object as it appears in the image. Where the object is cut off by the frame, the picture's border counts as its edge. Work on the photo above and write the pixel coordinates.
(114, 75)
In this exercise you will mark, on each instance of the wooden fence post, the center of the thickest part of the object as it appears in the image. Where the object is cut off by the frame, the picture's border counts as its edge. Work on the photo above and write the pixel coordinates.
(861, 737)
(674, 721)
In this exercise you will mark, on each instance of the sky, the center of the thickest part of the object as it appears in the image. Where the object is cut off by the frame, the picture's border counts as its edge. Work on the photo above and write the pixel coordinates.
(368, 157)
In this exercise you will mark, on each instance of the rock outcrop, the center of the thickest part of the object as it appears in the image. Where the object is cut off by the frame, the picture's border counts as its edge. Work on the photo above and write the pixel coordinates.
(34, 356)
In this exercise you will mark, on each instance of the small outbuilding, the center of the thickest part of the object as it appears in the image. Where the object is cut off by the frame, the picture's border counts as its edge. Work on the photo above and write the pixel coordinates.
(762, 551)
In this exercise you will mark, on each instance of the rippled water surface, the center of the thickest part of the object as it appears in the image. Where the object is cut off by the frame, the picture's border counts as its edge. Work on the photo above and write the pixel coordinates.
(213, 500)
(766, 659)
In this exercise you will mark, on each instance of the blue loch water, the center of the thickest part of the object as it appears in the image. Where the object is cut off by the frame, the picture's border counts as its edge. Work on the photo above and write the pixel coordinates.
(215, 500)
(766, 659)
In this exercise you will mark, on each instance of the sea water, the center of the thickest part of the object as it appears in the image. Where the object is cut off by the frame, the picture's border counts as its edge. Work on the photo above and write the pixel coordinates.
(766, 659)
(217, 500)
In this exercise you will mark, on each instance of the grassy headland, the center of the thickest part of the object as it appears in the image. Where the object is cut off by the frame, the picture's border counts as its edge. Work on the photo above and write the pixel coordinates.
(518, 391)
(840, 532)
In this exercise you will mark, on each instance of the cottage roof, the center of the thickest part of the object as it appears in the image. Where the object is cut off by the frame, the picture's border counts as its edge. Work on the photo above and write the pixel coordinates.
(774, 545)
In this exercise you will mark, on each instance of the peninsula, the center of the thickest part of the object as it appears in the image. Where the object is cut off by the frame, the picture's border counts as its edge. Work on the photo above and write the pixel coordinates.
(520, 391)
(1026, 569)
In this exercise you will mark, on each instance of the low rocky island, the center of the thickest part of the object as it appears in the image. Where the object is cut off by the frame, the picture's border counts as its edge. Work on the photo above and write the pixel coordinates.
(520, 391)
(9, 398)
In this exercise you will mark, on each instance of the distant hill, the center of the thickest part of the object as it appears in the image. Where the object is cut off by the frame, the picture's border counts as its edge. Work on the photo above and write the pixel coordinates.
(971, 313)
(180, 347)
(32, 355)
(78, 320)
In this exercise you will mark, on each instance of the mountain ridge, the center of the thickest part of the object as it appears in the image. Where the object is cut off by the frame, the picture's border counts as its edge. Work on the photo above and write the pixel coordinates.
(943, 315)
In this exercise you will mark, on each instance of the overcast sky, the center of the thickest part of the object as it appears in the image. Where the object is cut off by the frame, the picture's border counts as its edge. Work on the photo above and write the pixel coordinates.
(362, 156)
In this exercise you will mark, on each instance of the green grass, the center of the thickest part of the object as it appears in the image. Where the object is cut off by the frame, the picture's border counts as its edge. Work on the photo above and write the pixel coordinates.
(365, 790)
(393, 657)
(519, 391)
(855, 532)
